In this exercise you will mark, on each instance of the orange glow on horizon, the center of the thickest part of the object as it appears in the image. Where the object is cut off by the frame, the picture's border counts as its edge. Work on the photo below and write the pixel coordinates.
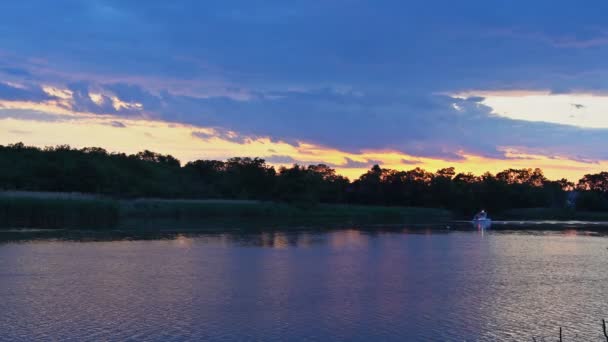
(131, 135)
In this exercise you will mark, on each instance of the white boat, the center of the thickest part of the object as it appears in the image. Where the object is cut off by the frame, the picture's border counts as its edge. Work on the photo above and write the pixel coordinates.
(481, 220)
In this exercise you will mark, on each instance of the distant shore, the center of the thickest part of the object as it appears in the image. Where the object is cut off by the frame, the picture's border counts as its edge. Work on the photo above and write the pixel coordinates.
(557, 214)
(48, 210)
(82, 211)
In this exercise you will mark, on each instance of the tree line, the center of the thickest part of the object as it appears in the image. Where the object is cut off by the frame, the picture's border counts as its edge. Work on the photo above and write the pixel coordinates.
(149, 174)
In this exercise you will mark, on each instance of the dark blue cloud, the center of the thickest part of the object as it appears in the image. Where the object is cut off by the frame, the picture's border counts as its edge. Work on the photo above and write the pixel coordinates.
(401, 44)
(416, 124)
(83, 102)
(26, 93)
(133, 93)
(15, 72)
(350, 74)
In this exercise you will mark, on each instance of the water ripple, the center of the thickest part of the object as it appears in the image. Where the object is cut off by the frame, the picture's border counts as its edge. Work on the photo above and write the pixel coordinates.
(347, 285)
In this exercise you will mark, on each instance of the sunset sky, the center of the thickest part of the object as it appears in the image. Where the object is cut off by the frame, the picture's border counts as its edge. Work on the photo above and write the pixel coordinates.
(478, 85)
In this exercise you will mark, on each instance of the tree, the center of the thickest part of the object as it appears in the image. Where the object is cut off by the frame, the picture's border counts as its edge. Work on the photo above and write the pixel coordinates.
(147, 173)
(594, 182)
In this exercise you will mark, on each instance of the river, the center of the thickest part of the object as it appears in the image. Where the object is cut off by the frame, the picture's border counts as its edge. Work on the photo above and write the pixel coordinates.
(363, 284)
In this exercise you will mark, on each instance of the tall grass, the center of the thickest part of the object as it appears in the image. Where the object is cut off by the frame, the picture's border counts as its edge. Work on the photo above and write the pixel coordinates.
(17, 212)
(44, 211)
(271, 210)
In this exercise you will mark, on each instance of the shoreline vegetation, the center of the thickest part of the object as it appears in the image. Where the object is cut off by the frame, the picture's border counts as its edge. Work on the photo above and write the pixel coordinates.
(48, 210)
(86, 211)
(63, 187)
(62, 210)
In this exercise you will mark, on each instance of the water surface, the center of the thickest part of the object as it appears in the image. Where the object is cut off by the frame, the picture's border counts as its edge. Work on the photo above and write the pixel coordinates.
(308, 285)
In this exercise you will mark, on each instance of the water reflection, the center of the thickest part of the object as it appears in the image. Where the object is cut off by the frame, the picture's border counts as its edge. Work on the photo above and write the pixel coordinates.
(304, 237)
(350, 237)
(370, 283)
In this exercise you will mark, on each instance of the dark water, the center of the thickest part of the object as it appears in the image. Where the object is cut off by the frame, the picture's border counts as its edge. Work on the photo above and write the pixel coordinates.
(357, 285)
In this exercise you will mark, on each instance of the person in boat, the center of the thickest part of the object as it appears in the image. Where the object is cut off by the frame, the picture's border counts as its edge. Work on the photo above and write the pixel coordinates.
(482, 215)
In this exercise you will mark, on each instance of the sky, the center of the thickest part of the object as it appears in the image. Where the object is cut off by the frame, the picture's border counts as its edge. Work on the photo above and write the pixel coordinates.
(478, 85)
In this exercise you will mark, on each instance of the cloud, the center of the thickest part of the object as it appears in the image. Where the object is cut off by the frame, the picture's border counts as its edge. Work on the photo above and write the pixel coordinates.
(599, 39)
(31, 115)
(224, 135)
(250, 70)
(15, 71)
(420, 125)
(410, 161)
(582, 38)
(348, 164)
(280, 50)
(77, 97)
(23, 93)
(279, 159)
(117, 124)
(135, 94)
(86, 99)
(358, 164)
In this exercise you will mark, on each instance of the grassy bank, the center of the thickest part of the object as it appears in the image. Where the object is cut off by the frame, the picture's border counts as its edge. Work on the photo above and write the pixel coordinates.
(32, 212)
(74, 210)
(44, 211)
(193, 210)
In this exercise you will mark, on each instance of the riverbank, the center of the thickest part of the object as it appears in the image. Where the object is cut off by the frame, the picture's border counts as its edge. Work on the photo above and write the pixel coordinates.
(84, 211)
(42, 210)
(47, 212)
(557, 214)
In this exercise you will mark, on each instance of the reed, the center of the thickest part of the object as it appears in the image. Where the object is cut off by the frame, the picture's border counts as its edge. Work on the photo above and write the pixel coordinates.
(37, 210)
(41, 212)
(271, 210)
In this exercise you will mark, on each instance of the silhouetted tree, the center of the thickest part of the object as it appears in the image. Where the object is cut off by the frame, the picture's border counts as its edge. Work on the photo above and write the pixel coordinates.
(147, 173)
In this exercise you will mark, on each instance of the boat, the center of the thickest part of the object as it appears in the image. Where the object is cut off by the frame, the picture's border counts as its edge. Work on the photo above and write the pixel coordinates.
(481, 220)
